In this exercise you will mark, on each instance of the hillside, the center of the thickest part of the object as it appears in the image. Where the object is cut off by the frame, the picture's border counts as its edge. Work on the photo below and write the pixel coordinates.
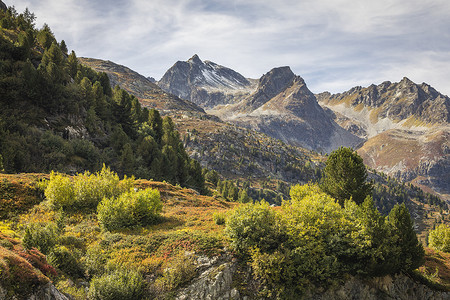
(185, 254)
(406, 127)
(149, 94)
(60, 115)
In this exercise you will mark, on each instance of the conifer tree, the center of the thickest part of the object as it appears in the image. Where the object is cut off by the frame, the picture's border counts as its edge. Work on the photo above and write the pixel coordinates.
(345, 176)
(410, 252)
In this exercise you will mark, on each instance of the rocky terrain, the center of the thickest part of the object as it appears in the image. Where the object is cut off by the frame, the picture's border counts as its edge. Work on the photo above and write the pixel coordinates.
(206, 84)
(231, 150)
(406, 126)
(280, 105)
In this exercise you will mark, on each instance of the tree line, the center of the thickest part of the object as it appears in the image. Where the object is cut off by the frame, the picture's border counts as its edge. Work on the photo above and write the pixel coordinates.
(60, 115)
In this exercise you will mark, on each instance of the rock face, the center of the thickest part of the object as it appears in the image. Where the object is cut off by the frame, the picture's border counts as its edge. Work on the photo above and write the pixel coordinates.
(390, 105)
(283, 107)
(381, 288)
(205, 83)
(45, 292)
(216, 281)
(406, 126)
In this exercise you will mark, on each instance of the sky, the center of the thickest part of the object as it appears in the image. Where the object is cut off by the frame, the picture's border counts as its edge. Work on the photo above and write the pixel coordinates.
(333, 44)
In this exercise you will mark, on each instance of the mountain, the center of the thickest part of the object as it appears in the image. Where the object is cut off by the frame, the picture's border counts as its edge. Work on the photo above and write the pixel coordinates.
(205, 83)
(283, 107)
(279, 105)
(389, 106)
(149, 94)
(3, 6)
(233, 151)
(406, 126)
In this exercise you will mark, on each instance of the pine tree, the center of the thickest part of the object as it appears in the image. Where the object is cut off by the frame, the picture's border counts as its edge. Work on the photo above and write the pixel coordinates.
(345, 176)
(410, 252)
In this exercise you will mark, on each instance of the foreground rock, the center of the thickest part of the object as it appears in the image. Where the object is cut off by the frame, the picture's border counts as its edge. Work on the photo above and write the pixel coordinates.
(218, 281)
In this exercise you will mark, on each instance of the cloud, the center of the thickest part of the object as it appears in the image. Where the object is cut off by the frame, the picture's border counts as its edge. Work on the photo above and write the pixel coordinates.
(333, 44)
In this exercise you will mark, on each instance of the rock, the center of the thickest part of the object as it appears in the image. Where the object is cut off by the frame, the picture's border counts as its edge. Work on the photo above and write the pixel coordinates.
(207, 84)
(215, 282)
(45, 292)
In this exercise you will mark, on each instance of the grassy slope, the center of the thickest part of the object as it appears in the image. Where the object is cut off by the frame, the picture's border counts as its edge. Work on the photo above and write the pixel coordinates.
(187, 225)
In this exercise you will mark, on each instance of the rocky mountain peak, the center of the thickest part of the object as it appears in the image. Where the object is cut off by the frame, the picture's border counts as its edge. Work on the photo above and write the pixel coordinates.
(195, 59)
(271, 84)
(204, 82)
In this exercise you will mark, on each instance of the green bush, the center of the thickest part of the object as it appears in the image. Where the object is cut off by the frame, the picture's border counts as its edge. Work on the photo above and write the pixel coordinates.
(179, 272)
(439, 238)
(219, 218)
(121, 284)
(41, 237)
(130, 209)
(95, 261)
(253, 225)
(313, 241)
(60, 191)
(61, 258)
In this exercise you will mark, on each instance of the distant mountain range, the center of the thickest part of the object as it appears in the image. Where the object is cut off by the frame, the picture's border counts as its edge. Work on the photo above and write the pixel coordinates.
(406, 127)
(279, 105)
(231, 150)
(400, 128)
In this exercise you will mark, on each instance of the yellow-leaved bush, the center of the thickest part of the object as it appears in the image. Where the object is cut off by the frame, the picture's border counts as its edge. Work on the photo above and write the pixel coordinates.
(133, 208)
(85, 190)
(439, 238)
(314, 241)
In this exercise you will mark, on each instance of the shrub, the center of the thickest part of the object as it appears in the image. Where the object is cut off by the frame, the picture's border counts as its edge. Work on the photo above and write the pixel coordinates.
(41, 237)
(132, 208)
(439, 238)
(95, 261)
(86, 190)
(314, 241)
(178, 272)
(219, 218)
(120, 284)
(61, 258)
(60, 191)
(253, 225)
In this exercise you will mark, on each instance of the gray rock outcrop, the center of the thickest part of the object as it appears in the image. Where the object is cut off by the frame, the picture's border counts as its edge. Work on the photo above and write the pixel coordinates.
(45, 292)
(205, 83)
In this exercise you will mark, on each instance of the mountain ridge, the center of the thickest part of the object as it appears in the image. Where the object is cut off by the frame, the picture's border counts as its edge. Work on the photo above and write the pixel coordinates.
(280, 105)
(406, 127)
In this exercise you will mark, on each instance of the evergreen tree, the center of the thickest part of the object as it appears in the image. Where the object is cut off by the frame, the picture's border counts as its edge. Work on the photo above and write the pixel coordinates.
(72, 64)
(243, 196)
(410, 252)
(345, 176)
(63, 47)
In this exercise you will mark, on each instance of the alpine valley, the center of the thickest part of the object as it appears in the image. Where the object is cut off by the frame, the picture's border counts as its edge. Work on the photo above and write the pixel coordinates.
(401, 129)
(207, 184)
